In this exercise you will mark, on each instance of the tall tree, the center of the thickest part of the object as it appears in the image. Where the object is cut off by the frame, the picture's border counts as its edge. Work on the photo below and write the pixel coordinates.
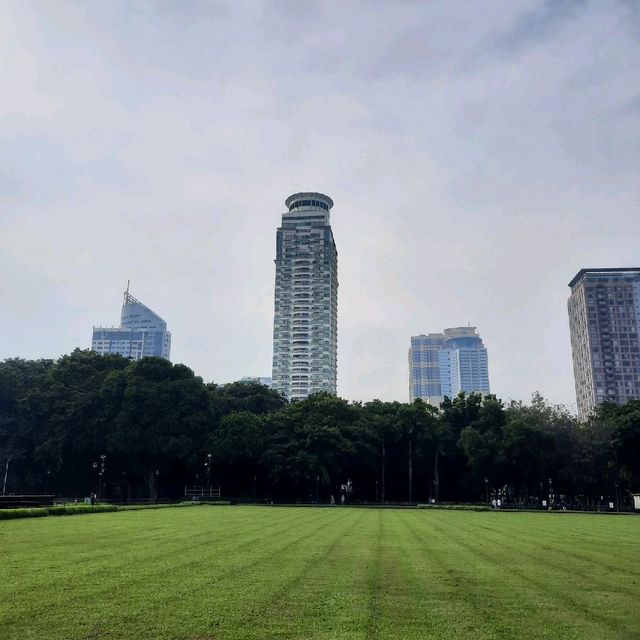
(163, 421)
(309, 445)
(380, 420)
(18, 378)
(243, 396)
(482, 443)
(418, 427)
(624, 425)
(237, 446)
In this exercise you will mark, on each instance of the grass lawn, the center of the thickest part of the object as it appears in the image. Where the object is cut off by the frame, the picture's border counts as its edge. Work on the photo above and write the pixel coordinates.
(269, 572)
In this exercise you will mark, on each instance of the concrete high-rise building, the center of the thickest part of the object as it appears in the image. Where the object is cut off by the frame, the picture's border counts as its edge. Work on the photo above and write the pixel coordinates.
(305, 332)
(604, 316)
(444, 364)
(141, 333)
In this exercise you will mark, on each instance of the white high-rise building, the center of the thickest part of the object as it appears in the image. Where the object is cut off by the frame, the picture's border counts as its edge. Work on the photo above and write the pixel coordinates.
(305, 332)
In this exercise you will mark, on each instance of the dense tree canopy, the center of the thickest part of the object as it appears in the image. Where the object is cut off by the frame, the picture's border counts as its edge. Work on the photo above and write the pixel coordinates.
(156, 424)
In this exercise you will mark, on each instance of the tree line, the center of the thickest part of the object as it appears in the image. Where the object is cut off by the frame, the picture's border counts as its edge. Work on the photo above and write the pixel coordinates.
(145, 429)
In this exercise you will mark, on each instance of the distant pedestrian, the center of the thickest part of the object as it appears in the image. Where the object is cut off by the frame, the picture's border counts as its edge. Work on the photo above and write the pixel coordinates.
(342, 499)
(494, 503)
(93, 499)
(498, 503)
(332, 500)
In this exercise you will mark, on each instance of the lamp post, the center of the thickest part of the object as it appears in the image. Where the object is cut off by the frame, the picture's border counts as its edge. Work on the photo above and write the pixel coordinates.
(208, 468)
(155, 487)
(94, 490)
(376, 492)
(124, 495)
(550, 493)
(101, 475)
(486, 486)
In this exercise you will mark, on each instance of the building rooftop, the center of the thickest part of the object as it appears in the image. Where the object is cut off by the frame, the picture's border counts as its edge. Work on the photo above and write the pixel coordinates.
(601, 271)
(309, 199)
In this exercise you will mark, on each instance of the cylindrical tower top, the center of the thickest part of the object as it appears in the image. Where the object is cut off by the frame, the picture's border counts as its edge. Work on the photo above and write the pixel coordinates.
(308, 199)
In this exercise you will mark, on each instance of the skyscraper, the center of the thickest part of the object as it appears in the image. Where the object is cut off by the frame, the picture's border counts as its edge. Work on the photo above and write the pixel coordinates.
(305, 331)
(424, 368)
(141, 333)
(444, 364)
(604, 316)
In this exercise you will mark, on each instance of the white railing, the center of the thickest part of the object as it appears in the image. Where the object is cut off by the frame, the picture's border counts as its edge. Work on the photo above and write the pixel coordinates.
(199, 491)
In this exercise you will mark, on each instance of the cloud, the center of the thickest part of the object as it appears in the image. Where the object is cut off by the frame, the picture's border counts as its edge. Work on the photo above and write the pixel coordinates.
(478, 157)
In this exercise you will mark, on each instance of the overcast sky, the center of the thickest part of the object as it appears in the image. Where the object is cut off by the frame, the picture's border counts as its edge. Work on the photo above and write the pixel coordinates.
(478, 153)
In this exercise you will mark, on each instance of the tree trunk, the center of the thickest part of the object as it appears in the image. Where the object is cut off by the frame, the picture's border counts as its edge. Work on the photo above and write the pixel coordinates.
(410, 471)
(384, 460)
(151, 484)
(436, 478)
(6, 472)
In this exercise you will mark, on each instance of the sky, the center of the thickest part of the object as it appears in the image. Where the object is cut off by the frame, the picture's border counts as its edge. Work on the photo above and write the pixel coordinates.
(479, 154)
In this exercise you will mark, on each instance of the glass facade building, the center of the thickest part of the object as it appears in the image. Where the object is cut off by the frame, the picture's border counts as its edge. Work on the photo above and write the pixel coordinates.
(142, 333)
(305, 331)
(444, 364)
(604, 316)
(424, 368)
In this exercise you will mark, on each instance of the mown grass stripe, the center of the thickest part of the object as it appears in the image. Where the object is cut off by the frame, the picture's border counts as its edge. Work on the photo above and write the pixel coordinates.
(536, 581)
(320, 574)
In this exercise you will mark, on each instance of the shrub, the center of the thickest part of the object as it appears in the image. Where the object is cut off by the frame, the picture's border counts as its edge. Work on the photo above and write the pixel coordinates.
(76, 509)
(30, 512)
(137, 507)
(70, 510)
(456, 507)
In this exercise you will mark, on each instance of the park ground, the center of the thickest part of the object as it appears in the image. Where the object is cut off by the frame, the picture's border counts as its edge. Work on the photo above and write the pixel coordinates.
(217, 573)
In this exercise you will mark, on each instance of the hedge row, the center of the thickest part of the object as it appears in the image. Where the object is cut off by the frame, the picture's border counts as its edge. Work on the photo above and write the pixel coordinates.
(70, 510)
(137, 507)
(456, 507)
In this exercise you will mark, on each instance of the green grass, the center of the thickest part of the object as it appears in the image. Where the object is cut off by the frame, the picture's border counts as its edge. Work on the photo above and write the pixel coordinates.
(260, 572)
